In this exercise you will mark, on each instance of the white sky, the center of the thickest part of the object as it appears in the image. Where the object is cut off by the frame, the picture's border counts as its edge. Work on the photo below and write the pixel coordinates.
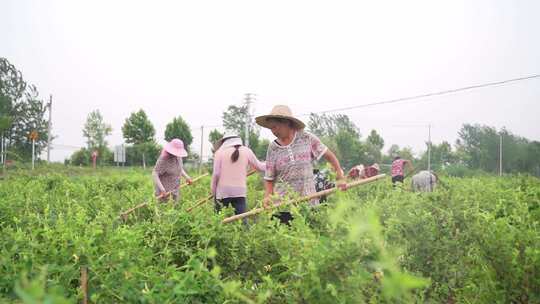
(194, 58)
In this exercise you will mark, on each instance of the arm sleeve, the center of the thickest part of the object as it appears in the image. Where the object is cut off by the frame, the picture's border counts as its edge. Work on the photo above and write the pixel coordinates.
(270, 172)
(254, 162)
(182, 171)
(216, 173)
(159, 168)
(317, 147)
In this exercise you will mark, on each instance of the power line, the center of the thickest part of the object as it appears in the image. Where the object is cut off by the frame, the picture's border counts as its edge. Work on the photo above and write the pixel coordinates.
(488, 84)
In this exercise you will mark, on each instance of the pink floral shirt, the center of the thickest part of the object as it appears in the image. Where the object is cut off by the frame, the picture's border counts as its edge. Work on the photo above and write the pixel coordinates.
(290, 167)
(168, 170)
(397, 167)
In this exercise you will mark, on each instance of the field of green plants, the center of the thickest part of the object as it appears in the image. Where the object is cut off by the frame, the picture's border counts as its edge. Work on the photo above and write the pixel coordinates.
(475, 240)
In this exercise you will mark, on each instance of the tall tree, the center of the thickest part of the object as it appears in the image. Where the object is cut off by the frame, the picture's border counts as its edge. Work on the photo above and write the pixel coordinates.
(139, 131)
(479, 146)
(12, 89)
(395, 150)
(341, 135)
(29, 116)
(375, 139)
(234, 120)
(178, 128)
(373, 146)
(441, 155)
(214, 136)
(329, 125)
(96, 131)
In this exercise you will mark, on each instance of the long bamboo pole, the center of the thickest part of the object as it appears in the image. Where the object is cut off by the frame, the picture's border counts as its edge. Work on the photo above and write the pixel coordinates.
(209, 197)
(193, 180)
(84, 284)
(302, 199)
(124, 214)
(200, 203)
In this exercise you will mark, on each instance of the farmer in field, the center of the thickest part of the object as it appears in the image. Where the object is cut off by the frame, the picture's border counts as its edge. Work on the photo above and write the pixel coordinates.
(356, 172)
(168, 169)
(321, 182)
(289, 157)
(231, 163)
(398, 169)
(424, 181)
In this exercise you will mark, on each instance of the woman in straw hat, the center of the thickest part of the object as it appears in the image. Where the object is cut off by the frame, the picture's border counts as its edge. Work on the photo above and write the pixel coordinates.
(168, 168)
(289, 157)
(231, 163)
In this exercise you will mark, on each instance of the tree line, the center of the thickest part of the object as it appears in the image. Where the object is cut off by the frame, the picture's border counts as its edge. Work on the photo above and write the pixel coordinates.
(22, 111)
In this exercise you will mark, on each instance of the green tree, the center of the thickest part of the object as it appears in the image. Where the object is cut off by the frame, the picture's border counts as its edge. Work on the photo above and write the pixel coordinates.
(178, 128)
(375, 140)
(262, 147)
(134, 153)
(213, 137)
(341, 136)
(234, 120)
(441, 155)
(349, 149)
(139, 131)
(330, 125)
(395, 150)
(28, 116)
(12, 89)
(96, 131)
(478, 146)
(373, 148)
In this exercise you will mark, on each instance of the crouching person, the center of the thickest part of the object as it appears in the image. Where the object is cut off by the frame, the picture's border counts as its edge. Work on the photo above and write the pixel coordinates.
(361, 172)
(424, 181)
(322, 183)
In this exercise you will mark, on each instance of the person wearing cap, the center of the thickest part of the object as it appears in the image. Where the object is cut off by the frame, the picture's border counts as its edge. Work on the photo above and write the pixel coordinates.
(289, 157)
(168, 168)
(231, 163)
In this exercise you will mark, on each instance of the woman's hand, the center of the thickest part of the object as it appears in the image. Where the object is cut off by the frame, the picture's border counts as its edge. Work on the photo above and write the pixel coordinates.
(163, 196)
(267, 202)
(189, 181)
(342, 184)
(341, 181)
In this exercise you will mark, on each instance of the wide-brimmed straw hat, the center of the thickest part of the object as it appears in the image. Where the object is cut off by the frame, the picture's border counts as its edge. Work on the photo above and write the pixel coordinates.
(282, 112)
(176, 148)
(231, 139)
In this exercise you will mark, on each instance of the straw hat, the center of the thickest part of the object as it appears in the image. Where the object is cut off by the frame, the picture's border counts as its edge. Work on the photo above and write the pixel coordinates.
(280, 111)
(176, 148)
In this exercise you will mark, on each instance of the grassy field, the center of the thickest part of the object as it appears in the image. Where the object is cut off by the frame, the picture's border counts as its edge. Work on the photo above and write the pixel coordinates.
(476, 240)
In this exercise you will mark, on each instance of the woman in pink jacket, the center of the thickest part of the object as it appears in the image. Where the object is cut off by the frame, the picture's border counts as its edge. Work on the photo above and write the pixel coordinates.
(232, 161)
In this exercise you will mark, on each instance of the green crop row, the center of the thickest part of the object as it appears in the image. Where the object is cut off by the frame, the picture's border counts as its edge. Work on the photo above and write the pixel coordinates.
(476, 240)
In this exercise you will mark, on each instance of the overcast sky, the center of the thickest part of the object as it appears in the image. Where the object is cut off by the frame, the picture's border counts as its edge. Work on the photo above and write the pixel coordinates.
(194, 58)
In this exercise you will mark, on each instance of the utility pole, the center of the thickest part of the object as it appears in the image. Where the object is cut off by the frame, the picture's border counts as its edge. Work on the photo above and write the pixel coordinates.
(33, 152)
(500, 154)
(2, 149)
(248, 101)
(49, 127)
(201, 155)
(429, 149)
